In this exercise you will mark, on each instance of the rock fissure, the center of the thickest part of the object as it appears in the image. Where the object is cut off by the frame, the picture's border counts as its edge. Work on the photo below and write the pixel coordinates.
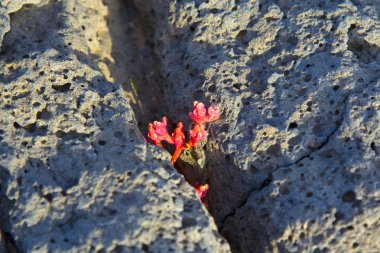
(317, 149)
(264, 184)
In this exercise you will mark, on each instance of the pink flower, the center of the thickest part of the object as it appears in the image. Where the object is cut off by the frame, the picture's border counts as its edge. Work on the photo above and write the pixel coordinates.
(179, 135)
(202, 191)
(197, 134)
(213, 113)
(200, 115)
(158, 132)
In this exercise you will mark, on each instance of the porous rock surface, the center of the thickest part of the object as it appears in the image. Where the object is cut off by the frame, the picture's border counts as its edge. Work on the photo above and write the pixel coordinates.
(293, 164)
(75, 172)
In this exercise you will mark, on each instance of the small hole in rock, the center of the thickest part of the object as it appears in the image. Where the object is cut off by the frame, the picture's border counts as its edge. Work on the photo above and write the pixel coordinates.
(62, 88)
(241, 35)
(48, 197)
(293, 125)
(16, 125)
(307, 78)
(349, 196)
(212, 88)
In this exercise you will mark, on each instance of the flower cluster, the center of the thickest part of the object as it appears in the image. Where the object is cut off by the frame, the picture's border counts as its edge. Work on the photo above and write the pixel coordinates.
(158, 131)
(200, 115)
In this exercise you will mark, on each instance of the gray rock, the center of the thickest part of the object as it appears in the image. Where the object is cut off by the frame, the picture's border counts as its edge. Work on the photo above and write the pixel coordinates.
(76, 174)
(7, 7)
(293, 164)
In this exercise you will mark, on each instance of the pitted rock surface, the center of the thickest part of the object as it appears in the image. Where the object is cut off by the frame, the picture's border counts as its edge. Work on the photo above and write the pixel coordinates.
(293, 163)
(75, 172)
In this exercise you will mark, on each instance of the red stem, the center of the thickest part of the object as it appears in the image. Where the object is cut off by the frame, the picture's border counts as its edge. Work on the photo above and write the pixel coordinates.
(176, 154)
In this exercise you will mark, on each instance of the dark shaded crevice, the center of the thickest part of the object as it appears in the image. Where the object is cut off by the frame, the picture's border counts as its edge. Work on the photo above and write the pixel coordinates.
(227, 194)
(136, 66)
(9, 243)
(264, 184)
(193, 172)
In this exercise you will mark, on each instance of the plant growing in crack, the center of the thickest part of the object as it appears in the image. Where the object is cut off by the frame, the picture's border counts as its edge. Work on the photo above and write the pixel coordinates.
(158, 133)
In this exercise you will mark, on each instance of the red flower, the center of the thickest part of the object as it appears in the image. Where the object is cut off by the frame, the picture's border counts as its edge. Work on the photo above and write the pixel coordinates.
(179, 139)
(158, 129)
(179, 135)
(200, 115)
(197, 134)
(213, 113)
(202, 191)
(158, 132)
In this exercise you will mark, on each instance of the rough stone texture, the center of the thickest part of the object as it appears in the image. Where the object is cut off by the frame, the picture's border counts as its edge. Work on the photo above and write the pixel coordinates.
(293, 164)
(8, 7)
(75, 172)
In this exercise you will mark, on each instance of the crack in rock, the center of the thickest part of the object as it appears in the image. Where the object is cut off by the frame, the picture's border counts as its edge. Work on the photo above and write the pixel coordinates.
(264, 184)
(269, 179)
(324, 143)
